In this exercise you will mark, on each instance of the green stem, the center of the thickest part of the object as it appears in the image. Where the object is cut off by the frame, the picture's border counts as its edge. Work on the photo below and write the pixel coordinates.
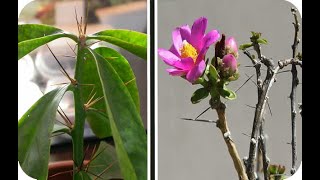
(80, 115)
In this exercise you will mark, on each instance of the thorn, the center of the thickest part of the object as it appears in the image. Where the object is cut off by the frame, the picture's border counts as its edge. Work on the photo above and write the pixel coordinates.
(250, 106)
(269, 106)
(244, 83)
(71, 48)
(251, 80)
(202, 113)
(200, 120)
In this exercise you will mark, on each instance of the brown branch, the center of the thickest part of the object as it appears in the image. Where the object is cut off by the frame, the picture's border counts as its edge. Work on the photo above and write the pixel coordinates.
(223, 126)
(295, 82)
(286, 62)
(263, 91)
(263, 148)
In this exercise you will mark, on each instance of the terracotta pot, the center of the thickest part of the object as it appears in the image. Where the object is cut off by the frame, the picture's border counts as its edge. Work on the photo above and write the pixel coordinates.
(61, 170)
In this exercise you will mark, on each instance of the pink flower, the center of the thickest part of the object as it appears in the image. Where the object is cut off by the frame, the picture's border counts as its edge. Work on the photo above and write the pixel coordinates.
(229, 63)
(231, 47)
(188, 50)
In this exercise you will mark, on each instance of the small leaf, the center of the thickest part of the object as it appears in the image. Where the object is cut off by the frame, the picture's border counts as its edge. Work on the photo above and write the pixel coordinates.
(245, 46)
(234, 77)
(227, 93)
(262, 41)
(132, 41)
(198, 95)
(213, 74)
(255, 35)
(299, 56)
(273, 169)
(281, 169)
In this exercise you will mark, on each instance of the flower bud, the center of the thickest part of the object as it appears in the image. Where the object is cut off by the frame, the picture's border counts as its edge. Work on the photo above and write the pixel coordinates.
(229, 63)
(231, 47)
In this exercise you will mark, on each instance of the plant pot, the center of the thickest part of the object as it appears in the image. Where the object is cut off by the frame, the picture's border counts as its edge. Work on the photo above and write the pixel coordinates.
(61, 170)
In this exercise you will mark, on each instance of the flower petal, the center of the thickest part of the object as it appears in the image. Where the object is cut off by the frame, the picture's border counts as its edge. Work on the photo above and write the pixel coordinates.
(196, 72)
(210, 38)
(197, 32)
(176, 39)
(185, 33)
(174, 51)
(176, 72)
(185, 63)
(167, 56)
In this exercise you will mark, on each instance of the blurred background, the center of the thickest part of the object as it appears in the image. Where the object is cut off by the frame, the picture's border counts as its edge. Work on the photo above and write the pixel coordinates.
(39, 73)
(196, 150)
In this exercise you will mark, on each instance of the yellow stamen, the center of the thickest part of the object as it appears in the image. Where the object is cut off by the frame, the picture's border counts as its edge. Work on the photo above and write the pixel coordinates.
(187, 50)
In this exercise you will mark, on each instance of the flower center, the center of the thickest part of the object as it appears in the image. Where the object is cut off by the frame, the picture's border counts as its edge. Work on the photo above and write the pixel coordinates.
(187, 50)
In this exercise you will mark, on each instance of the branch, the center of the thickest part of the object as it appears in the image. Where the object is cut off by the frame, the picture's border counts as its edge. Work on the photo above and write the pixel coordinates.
(295, 82)
(263, 148)
(286, 62)
(257, 66)
(260, 107)
(223, 126)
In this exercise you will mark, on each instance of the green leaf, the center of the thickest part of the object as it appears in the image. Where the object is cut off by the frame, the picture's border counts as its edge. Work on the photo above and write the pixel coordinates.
(104, 163)
(133, 41)
(99, 123)
(262, 41)
(245, 46)
(234, 77)
(57, 129)
(34, 132)
(281, 169)
(227, 93)
(97, 117)
(126, 125)
(273, 169)
(255, 35)
(82, 175)
(213, 74)
(123, 68)
(32, 36)
(198, 95)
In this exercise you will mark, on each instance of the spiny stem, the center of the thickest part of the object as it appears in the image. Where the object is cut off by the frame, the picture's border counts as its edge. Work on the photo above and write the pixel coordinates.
(263, 148)
(223, 126)
(295, 82)
(263, 90)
